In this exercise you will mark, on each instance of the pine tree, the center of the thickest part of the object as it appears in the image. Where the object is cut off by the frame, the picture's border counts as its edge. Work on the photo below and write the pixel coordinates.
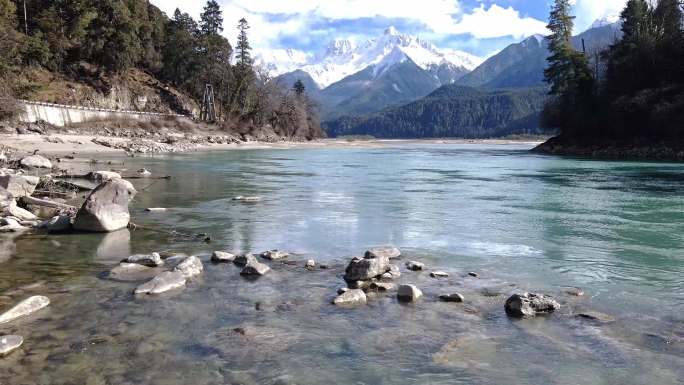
(560, 71)
(244, 57)
(299, 88)
(211, 20)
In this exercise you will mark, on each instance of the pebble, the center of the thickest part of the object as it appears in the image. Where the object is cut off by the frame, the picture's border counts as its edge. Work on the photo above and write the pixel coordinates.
(10, 343)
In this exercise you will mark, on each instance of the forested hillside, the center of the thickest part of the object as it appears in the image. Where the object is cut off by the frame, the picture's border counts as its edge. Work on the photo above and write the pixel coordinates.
(98, 43)
(452, 111)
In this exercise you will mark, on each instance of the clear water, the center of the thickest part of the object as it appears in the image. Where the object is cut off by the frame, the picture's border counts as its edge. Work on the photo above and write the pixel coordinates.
(522, 221)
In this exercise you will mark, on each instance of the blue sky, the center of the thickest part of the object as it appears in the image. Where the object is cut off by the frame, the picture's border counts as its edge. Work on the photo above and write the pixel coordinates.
(480, 27)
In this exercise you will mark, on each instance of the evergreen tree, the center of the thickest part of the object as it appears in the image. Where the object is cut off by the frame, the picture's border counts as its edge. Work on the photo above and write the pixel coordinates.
(560, 72)
(11, 41)
(112, 40)
(211, 20)
(299, 88)
(244, 73)
(179, 53)
(244, 57)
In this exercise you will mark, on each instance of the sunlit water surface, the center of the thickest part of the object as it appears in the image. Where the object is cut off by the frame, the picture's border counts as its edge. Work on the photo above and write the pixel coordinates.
(522, 221)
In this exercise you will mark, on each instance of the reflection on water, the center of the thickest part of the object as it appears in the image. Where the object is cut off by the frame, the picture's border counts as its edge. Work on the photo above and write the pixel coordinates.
(522, 221)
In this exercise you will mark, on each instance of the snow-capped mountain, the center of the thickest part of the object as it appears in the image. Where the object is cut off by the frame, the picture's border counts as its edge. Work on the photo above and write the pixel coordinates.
(342, 58)
(604, 21)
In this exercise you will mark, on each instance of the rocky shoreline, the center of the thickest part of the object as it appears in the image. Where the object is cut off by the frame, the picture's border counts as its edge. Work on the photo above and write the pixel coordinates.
(613, 150)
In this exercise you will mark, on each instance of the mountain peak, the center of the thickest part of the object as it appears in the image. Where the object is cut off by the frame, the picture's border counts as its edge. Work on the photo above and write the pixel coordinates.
(391, 31)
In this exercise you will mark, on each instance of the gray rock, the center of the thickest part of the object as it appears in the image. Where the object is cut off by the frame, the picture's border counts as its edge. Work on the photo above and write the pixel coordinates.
(244, 259)
(150, 260)
(131, 272)
(473, 274)
(388, 252)
(574, 291)
(360, 284)
(222, 257)
(24, 308)
(8, 344)
(409, 293)
(382, 286)
(596, 316)
(166, 281)
(343, 290)
(455, 297)
(439, 274)
(6, 199)
(351, 297)
(19, 213)
(530, 304)
(310, 264)
(103, 176)
(190, 267)
(275, 255)
(19, 185)
(59, 224)
(415, 266)
(255, 268)
(36, 161)
(392, 273)
(360, 269)
(106, 208)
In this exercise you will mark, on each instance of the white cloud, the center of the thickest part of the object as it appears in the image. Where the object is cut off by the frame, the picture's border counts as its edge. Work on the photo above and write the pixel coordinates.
(496, 21)
(588, 11)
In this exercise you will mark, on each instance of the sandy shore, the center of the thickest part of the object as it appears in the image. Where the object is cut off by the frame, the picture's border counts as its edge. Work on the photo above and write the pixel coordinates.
(83, 144)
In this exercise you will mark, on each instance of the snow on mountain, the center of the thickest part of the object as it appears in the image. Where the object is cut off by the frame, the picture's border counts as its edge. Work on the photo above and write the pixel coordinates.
(342, 58)
(604, 21)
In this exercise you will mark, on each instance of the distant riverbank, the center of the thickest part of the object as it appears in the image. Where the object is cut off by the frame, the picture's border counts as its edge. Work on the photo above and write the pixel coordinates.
(609, 149)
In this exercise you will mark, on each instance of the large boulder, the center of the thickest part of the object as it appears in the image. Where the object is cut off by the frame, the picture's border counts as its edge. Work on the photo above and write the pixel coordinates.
(19, 185)
(385, 251)
(59, 224)
(222, 257)
(275, 255)
(255, 268)
(8, 344)
(166, 281)
(409, 293)
(36, 161)
(24, 308)
(530, 304)
(362, 269)
(351, 297)
(106, 208)
(190, 267)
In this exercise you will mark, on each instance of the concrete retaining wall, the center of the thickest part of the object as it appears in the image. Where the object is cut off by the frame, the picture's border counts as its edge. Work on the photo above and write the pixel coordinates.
(63, 115)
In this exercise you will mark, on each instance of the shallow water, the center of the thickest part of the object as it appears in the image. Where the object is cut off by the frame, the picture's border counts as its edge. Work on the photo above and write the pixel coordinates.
(522, 221)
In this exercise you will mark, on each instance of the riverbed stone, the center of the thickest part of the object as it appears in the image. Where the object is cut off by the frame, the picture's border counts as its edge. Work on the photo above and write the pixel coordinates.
(104, 176)
(10, 343)
(454, 297)
(415, 265)
(530, 304)
(222, 257)
(36, 161)
(149, 260)
(166, 281)
(392, 273)
(19, 185)
(255, 268)
(190, 267)
(244, 259)
(574, 291)
(125, 271)
(310, 264)
(439, 274)
(351, 297)
(409, 293)
(275, 255)
(382, 286)
(19, 213)
(6, 199)
(360, 269)
(388, 252)
(106, 208)
(24, 308)
(596, 316)
(58, 224)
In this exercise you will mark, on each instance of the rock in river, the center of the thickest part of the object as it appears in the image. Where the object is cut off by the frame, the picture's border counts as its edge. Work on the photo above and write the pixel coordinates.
(24, 308)
(59, 224)
(530, 304)
(150, 260)
(244, 259)
(439, 274)
(361, 269)
(382, 286)
(455, 297)
(385, 251)
(274, 255)
(222, 257)
(409, 293)
(190, 267)
(106, 208)
(255, 268)
(415, 266)
(131, 272)
(36, 161)
(168, 280)
(103, 176)
(8, 344)
(351, 297)
(19, 185)
(596, 316)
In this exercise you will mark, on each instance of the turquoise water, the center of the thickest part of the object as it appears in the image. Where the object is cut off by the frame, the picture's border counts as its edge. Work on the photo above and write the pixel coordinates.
(522, 221)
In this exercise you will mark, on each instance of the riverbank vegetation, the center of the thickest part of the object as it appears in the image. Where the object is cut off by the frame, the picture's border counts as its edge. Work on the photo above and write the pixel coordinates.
(633, 94)
(97, 42)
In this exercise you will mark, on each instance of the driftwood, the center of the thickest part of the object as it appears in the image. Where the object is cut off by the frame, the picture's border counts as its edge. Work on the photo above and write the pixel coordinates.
(46, 203)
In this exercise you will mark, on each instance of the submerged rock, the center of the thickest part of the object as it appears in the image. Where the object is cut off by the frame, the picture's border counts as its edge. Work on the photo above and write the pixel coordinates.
(415, 266)
(255, 268)
(310, 264)
(388, 252)
(574, 291)
(360, 269)
(131, 272)
(150, 260)
(36, 161)
(409, 293)
(473, 274)
(351, 297)
(274, 255)
(382, 286)
(392, 273)
(244, 259)
(596, 316)
(24, 308)
(222, 257)
(59, 224)
(190, 267)
(166, 281)
(530, 304)
(455, 297)
(439, 274)
(8, 344)
(106, 208)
